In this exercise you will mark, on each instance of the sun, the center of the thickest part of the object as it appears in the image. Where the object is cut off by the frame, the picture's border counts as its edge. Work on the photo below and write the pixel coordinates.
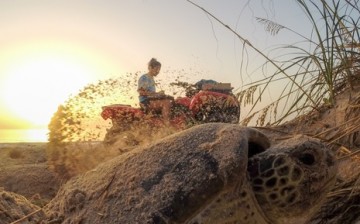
(35, 85)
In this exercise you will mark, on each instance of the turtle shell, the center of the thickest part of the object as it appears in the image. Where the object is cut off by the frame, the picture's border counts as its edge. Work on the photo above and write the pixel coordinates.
(168, 181)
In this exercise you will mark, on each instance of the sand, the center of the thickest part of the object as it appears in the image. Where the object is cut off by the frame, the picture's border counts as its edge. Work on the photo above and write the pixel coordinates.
(26, 183)
(32, 173)
(24, 170)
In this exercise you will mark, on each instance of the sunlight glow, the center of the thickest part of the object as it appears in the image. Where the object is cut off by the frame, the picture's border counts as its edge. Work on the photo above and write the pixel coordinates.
(35, 85)
(23, 135)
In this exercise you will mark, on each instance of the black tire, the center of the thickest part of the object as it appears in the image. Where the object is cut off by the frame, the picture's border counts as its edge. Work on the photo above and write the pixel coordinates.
(182, 111)
(213, 113)
(209, 113)
(231, 115)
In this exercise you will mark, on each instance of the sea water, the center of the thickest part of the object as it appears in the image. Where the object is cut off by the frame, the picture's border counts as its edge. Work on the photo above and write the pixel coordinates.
(23, 135)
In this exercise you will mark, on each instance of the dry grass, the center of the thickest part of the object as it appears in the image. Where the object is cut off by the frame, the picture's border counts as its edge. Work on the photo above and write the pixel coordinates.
(26, 217)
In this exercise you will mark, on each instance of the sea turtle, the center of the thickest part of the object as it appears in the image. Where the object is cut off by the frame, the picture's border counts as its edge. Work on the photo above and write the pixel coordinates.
(212, 173)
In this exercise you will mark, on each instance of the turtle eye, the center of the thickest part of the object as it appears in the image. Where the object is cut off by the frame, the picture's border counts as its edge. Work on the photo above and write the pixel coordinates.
(307, 159)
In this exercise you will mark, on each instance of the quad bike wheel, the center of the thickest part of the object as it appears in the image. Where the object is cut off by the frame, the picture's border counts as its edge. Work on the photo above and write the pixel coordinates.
(213, 113)
(231, 115)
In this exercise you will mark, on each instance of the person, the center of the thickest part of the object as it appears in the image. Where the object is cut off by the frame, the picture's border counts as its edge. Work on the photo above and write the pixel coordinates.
(149, 99)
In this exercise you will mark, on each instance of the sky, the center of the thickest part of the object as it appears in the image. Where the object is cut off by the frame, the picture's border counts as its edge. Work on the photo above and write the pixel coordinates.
(51, 49)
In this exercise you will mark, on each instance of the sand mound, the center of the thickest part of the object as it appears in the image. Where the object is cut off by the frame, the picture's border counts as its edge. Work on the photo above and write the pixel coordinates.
(24, 170)
(339, 124)
(32, 181)
(15, 207)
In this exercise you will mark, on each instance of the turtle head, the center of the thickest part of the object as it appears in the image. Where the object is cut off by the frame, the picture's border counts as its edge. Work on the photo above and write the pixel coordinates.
(290, 178)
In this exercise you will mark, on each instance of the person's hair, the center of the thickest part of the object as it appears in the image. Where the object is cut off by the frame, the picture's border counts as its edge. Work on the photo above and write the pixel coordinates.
(154, 63)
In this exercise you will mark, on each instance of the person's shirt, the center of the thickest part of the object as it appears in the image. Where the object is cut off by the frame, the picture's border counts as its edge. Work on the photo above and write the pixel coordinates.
(146, 82)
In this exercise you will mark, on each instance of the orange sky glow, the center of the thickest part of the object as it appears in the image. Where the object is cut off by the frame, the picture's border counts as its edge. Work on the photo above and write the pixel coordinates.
(51, 49)
(40, 76)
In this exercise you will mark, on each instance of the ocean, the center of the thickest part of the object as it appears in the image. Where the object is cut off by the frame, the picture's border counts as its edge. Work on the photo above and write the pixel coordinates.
(23, 135)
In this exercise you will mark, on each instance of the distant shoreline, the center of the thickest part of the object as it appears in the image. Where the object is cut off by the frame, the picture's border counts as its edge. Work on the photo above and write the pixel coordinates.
(22, 143)
(3, 144)
(23, 135)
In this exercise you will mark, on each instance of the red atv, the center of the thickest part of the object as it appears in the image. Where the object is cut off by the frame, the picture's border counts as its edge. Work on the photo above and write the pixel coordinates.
(206, 101)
